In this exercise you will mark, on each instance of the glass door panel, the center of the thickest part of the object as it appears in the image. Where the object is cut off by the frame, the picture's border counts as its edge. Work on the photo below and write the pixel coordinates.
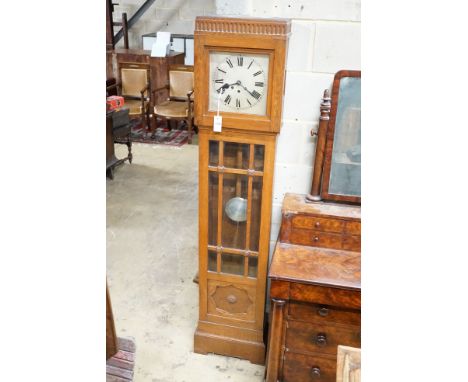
(212, 208)
(238, 223)
(236, 155)
(253, 266)
(255, 215)
(259, 157)
(212, 261)
(234, 210)
(214, 153)
(232, 264)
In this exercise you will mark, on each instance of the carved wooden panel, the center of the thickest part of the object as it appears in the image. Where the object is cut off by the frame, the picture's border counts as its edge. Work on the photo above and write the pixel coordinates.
(243, 26)
(229, 299)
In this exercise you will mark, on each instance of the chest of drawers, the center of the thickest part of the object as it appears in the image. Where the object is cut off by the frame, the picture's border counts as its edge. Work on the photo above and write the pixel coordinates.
(315, 292)
(325, 225)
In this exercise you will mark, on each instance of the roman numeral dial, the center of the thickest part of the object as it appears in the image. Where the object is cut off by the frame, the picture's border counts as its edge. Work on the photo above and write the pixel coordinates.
(239, 82)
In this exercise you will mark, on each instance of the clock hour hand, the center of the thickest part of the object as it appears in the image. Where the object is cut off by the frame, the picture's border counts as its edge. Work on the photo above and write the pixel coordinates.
(225, 86)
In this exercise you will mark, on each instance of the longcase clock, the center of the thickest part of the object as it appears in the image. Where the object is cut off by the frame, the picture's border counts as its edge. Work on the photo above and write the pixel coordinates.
(239, 74)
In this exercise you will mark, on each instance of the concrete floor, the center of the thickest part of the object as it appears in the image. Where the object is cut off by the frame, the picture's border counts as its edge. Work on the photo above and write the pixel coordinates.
(152, 244)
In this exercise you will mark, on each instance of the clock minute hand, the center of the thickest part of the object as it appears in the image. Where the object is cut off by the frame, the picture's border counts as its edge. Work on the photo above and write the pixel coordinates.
(247, 90)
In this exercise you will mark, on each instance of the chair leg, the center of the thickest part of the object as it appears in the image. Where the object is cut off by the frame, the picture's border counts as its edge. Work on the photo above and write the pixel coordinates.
(189, 128)
(148, 122)
(110, 173)
(129, 145)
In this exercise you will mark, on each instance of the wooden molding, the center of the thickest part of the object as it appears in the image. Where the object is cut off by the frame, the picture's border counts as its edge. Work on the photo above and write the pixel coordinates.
(255, 26)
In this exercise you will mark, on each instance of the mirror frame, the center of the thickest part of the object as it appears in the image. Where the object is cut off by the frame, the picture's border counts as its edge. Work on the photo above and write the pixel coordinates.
(330, 138)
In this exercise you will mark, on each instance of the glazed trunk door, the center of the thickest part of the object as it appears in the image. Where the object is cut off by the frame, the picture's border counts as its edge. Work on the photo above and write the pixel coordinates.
(235, 189)
(235, 195)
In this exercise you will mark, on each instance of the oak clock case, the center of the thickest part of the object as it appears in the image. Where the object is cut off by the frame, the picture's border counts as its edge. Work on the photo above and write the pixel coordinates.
(239, 69)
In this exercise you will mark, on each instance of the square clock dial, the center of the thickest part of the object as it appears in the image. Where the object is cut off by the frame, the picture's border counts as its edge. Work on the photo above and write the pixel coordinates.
(238, 82)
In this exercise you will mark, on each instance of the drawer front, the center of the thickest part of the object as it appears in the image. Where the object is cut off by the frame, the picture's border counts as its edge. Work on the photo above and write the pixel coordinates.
(315, 238)
(132, 58)
(319, 224)
(323, 314)
(352, 243)
(327, 296)
(353, 228)
(301, 336)
(303, 368)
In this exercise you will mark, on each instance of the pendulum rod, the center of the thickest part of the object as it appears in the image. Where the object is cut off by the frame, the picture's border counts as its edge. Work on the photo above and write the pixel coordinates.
(220, 206)
(249, 210)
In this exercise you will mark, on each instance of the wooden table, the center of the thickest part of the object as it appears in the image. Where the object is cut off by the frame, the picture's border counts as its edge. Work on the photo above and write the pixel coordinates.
(111, 160)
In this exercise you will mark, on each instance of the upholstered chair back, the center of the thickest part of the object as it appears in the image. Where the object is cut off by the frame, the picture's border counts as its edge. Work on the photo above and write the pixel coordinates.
(181, 81)
(133, 80)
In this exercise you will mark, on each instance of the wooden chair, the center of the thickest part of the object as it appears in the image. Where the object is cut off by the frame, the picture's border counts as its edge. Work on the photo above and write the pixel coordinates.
(179, 105)
(134, 86)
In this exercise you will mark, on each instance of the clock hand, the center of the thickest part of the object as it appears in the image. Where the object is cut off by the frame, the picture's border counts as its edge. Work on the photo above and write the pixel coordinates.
(247, 90)
(225, 86)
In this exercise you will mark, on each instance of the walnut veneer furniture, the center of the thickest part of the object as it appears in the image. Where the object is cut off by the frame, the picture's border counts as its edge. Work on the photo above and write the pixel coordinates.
(315, 290)
(320, 224)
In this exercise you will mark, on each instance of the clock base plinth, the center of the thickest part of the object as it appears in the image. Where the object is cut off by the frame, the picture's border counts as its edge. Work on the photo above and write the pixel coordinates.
(250, 349)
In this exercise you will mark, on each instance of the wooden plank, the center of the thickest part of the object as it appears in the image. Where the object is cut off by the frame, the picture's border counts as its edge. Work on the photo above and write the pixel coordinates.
(118, 372)
(125, 355)
(127, 344)
(119, 368)
(120, 363)
(113, 378)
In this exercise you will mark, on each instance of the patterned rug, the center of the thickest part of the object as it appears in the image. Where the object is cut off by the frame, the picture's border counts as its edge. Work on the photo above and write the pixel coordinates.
(162, 135)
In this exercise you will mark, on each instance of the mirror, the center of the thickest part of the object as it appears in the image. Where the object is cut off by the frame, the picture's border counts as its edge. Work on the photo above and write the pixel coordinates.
(342, 166)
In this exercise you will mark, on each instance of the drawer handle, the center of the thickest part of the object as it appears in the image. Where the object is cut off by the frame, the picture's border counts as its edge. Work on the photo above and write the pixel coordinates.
(321, 339)
(231, 299)
(323, 312)
(316, 238)
(316, 372)
(317, 224)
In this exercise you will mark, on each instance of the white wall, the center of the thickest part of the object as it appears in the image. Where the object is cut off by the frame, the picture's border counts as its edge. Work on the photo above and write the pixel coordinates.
(175, 16)
(325, 38)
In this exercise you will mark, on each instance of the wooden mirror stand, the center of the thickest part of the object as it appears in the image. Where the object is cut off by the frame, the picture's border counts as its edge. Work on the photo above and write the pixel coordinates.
(337, 163)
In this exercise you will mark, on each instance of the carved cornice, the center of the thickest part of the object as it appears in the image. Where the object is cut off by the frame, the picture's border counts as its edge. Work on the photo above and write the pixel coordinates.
(252, 26)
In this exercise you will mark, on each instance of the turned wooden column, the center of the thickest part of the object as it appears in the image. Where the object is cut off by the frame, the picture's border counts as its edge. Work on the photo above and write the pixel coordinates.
(325, 107)
(274, 346)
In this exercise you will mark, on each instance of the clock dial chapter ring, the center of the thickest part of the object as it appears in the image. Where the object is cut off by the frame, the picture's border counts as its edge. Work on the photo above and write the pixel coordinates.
(239, 81)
